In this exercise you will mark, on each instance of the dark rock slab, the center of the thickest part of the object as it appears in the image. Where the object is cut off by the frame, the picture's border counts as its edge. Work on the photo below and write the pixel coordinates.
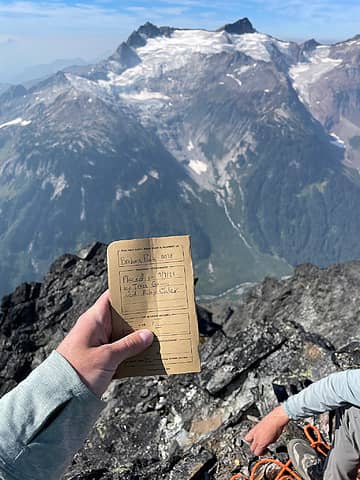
(126, 56)
(240, 354)
(193, 465)
(348, 356)
(240, 27)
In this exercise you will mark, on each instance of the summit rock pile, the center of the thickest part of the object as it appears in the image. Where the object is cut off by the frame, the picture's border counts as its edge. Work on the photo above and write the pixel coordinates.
(279, 337)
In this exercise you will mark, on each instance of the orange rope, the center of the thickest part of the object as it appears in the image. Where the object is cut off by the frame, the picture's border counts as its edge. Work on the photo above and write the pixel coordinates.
(285, 472)
(284, 469)
(316, 441)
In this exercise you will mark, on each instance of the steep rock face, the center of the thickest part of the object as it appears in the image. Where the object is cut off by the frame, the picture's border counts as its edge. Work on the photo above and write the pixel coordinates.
(327, 80)
(309, 46)
(148, 30)
(125, 56)
(278, 338)
(240, 27)
(78, 195)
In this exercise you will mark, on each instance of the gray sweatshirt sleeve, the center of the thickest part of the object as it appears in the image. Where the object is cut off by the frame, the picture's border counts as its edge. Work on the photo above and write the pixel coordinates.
(336, 390)
(44, 421)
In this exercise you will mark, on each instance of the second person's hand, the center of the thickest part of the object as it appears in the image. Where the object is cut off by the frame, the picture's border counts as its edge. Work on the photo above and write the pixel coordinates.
(267, 431)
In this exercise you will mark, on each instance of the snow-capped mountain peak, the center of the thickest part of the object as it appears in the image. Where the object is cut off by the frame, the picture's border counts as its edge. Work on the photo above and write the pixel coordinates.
(233, 136)
(163, 55)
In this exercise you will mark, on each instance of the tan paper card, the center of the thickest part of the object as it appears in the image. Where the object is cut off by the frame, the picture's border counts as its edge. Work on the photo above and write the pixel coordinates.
(151, 285)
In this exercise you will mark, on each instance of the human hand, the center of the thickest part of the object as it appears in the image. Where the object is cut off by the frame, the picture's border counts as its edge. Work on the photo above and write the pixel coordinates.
(86, 347)
(267, 431)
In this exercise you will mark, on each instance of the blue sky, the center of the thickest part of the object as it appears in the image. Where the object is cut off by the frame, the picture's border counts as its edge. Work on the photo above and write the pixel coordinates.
(33, 32)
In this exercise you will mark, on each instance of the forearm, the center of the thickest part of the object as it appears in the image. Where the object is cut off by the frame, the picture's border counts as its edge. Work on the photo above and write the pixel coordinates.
(44, 421)
(336, 390)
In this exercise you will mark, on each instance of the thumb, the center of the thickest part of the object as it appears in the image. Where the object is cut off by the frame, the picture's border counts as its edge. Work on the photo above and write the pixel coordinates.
(131, 345)
(102, 304)
(249, 437)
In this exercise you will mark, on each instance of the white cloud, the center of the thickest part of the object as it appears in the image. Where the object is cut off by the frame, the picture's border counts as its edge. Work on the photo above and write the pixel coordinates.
(184, 3)
(345, 10)
(158, 11)
(50, 15)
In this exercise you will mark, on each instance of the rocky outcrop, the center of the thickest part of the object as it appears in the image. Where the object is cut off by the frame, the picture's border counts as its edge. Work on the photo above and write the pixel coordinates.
(139, 37)
(125, 56)
(307, 48)
(277, 339)
(13, 91)
(240, 27)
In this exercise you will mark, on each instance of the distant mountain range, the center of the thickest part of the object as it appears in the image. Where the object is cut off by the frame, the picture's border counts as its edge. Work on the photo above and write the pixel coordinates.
(4, 86)
(39, 72)
(249, 143)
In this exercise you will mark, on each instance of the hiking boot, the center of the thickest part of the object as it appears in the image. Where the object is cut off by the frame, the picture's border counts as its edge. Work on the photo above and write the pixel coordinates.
(266, 471)
(305, 460)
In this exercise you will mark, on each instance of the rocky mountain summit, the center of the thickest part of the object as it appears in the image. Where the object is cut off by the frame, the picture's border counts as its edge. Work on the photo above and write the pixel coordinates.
(279, 337)
(240, 27)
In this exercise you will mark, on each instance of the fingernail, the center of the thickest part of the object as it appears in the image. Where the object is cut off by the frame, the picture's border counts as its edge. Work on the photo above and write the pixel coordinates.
(146, 336)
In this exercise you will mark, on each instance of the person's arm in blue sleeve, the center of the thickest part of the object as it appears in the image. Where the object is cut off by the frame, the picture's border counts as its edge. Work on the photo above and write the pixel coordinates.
(333, 391)
(44, 421)
(47, 417)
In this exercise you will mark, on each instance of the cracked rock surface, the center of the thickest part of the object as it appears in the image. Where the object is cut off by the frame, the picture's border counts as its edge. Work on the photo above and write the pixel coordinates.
(283, 335)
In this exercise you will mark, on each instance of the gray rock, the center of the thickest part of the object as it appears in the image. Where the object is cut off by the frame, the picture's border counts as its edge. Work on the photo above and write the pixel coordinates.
(283, 335)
